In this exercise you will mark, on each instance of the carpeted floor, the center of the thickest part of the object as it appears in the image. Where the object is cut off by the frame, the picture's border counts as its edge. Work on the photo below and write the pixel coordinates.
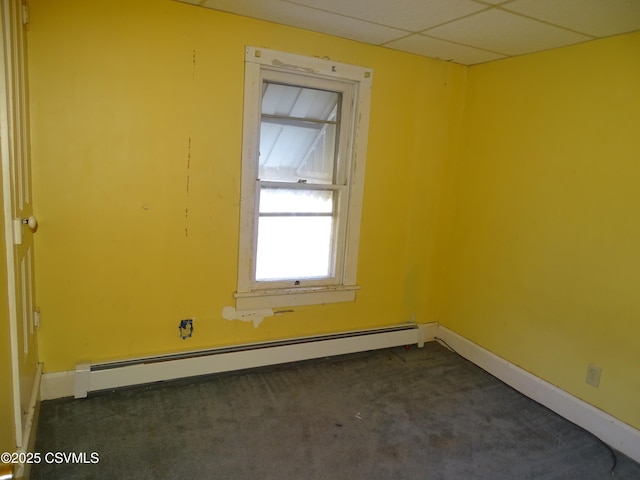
(389, 414)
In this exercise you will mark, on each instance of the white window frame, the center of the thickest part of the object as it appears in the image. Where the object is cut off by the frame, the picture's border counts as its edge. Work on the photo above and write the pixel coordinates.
(261, 63)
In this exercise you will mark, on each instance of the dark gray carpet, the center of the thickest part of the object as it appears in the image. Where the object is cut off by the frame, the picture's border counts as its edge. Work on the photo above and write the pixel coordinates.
(390, 414)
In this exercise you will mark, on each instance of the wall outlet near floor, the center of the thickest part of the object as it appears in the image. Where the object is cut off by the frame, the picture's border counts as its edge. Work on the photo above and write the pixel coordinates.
(186, 328)
(593, 375)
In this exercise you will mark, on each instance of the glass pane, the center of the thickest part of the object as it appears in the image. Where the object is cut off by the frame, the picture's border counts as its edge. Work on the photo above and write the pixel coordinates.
(298, 102)
(294, 248)
(280, 200)
(298, 134)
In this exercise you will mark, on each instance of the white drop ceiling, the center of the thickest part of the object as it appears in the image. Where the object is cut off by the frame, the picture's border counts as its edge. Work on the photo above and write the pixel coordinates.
(460, 31)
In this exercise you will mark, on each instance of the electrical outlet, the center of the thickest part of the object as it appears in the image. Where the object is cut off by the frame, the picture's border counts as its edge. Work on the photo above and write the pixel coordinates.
(186, 328)
(593, 375)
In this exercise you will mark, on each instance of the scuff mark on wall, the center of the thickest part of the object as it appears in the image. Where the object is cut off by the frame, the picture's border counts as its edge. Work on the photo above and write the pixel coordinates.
(256, 316)
(186, 208)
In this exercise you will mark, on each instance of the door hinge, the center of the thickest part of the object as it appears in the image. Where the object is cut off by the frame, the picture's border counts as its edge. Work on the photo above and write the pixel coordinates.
(25, 14)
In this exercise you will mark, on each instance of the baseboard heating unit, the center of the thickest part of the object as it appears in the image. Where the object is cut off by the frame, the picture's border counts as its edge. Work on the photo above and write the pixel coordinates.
(104, 376)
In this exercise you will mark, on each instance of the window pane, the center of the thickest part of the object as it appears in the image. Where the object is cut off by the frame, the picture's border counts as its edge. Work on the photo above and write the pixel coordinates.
(298, 134)
(281, 200)
(298, 102)
(294, 247)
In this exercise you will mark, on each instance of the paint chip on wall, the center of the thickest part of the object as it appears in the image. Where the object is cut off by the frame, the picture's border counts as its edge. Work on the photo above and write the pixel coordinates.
(256, 316)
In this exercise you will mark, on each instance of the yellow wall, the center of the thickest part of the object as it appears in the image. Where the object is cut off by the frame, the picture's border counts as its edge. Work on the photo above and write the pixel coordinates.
(544, 259)
(119, 90)
(502, 204)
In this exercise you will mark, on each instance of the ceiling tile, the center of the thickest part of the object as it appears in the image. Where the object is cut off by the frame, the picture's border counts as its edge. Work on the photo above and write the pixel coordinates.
(505, 33)
(600, 18)
(411, 15)
(286, 13)
(442, 50)
(460, 31)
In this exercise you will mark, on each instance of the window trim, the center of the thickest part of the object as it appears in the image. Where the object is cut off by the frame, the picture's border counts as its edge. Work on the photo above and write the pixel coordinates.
(258, 60)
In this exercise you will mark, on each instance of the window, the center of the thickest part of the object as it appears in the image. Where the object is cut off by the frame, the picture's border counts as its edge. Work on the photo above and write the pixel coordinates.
(304, 146)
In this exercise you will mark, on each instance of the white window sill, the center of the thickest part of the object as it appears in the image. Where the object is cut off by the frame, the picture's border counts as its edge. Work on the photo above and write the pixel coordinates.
(292, 297)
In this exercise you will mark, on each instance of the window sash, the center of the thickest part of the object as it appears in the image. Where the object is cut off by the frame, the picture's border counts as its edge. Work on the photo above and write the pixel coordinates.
(344, 123)
(337, 246)
(340, 183)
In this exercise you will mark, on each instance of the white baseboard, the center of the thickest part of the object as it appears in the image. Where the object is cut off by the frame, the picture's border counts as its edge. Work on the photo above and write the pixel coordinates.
(607, 428)
(57, 385)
